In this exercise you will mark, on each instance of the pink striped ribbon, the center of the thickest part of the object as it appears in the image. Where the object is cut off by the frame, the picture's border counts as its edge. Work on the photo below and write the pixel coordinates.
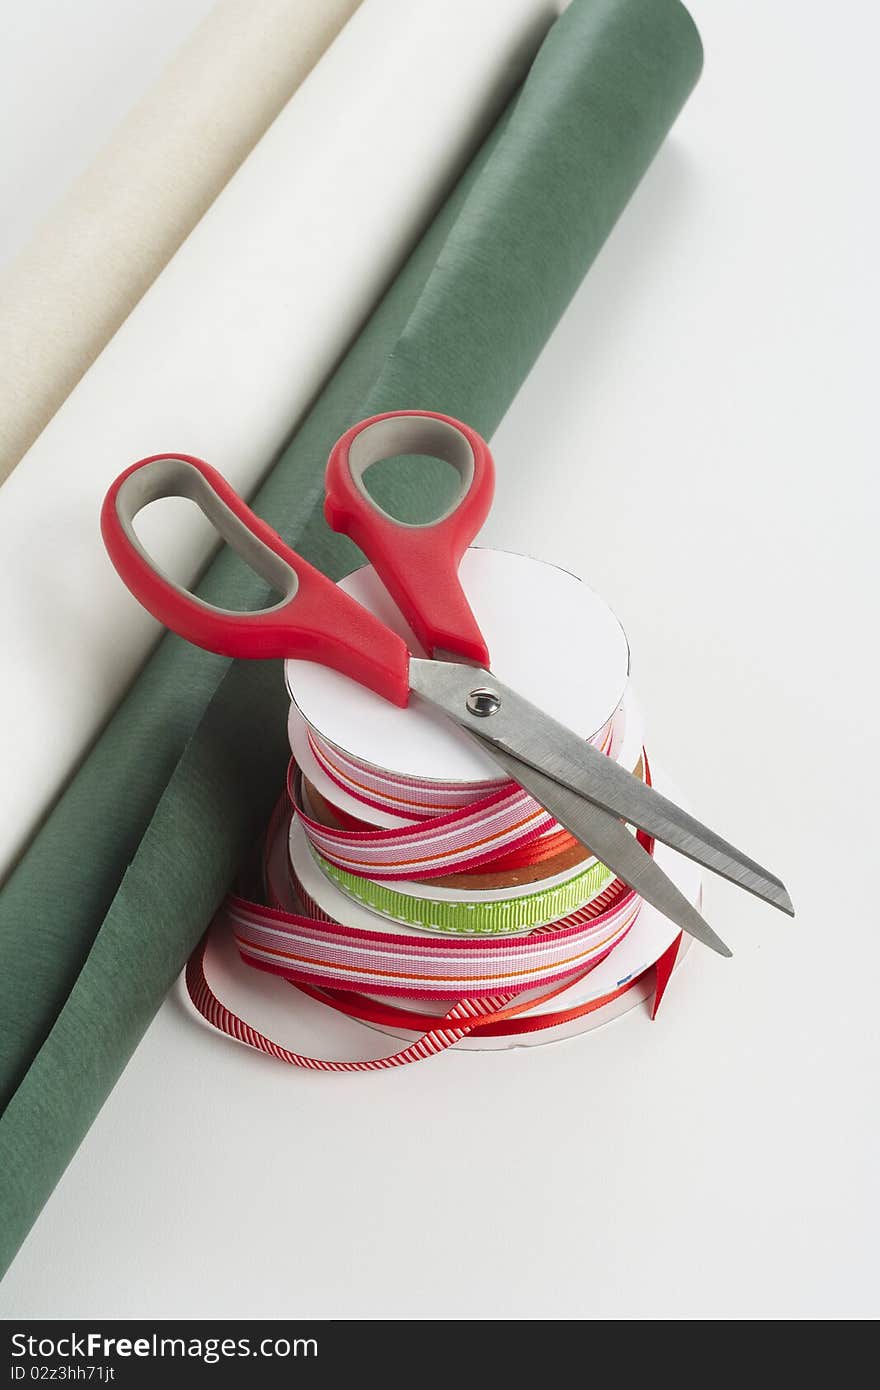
(454, 828)
(419, 798)
(458, 840)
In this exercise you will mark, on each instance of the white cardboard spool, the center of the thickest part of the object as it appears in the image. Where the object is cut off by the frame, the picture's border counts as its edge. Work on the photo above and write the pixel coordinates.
(627, 755)
(551, 638)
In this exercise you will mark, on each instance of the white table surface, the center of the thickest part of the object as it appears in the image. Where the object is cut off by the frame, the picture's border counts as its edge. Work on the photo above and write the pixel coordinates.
(713, 385)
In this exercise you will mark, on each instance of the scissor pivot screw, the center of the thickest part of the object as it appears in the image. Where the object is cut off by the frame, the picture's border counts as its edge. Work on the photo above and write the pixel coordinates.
(482, 702)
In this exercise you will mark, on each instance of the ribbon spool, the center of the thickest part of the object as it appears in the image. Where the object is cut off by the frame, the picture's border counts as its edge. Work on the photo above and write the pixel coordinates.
(561, 646)
(551, 638)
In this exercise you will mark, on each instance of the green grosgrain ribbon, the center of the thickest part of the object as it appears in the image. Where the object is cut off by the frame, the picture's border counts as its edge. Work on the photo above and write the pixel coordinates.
(135, 858)
(502, 917)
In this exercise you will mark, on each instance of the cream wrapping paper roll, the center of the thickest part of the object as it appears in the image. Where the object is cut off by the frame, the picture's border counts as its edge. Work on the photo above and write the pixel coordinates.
(122, 220)
(227, 348)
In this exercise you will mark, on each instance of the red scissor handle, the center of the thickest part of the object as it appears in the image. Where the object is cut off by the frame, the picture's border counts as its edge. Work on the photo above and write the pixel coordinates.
(417, 564)
(314, 620)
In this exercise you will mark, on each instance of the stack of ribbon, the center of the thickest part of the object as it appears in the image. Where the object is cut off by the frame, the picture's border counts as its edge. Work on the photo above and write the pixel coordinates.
(411, 887)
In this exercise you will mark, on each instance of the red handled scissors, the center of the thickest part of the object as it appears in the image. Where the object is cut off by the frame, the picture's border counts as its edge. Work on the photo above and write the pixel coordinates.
(585, 791)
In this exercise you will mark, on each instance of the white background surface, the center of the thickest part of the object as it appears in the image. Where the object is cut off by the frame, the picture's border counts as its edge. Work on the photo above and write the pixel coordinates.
(68, 74)
(714, 386)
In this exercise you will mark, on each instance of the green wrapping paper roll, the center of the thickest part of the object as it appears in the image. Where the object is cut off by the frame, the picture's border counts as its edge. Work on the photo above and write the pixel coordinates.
(99, 917)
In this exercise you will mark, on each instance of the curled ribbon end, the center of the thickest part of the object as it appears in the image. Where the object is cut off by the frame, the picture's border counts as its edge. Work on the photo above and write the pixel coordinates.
(664, 969)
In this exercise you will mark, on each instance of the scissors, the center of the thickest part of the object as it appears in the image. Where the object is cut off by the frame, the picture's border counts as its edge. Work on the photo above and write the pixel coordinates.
(583, 789)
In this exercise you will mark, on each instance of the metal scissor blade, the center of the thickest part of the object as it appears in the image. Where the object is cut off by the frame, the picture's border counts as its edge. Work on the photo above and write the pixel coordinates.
(533, 737)
(612, 843)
